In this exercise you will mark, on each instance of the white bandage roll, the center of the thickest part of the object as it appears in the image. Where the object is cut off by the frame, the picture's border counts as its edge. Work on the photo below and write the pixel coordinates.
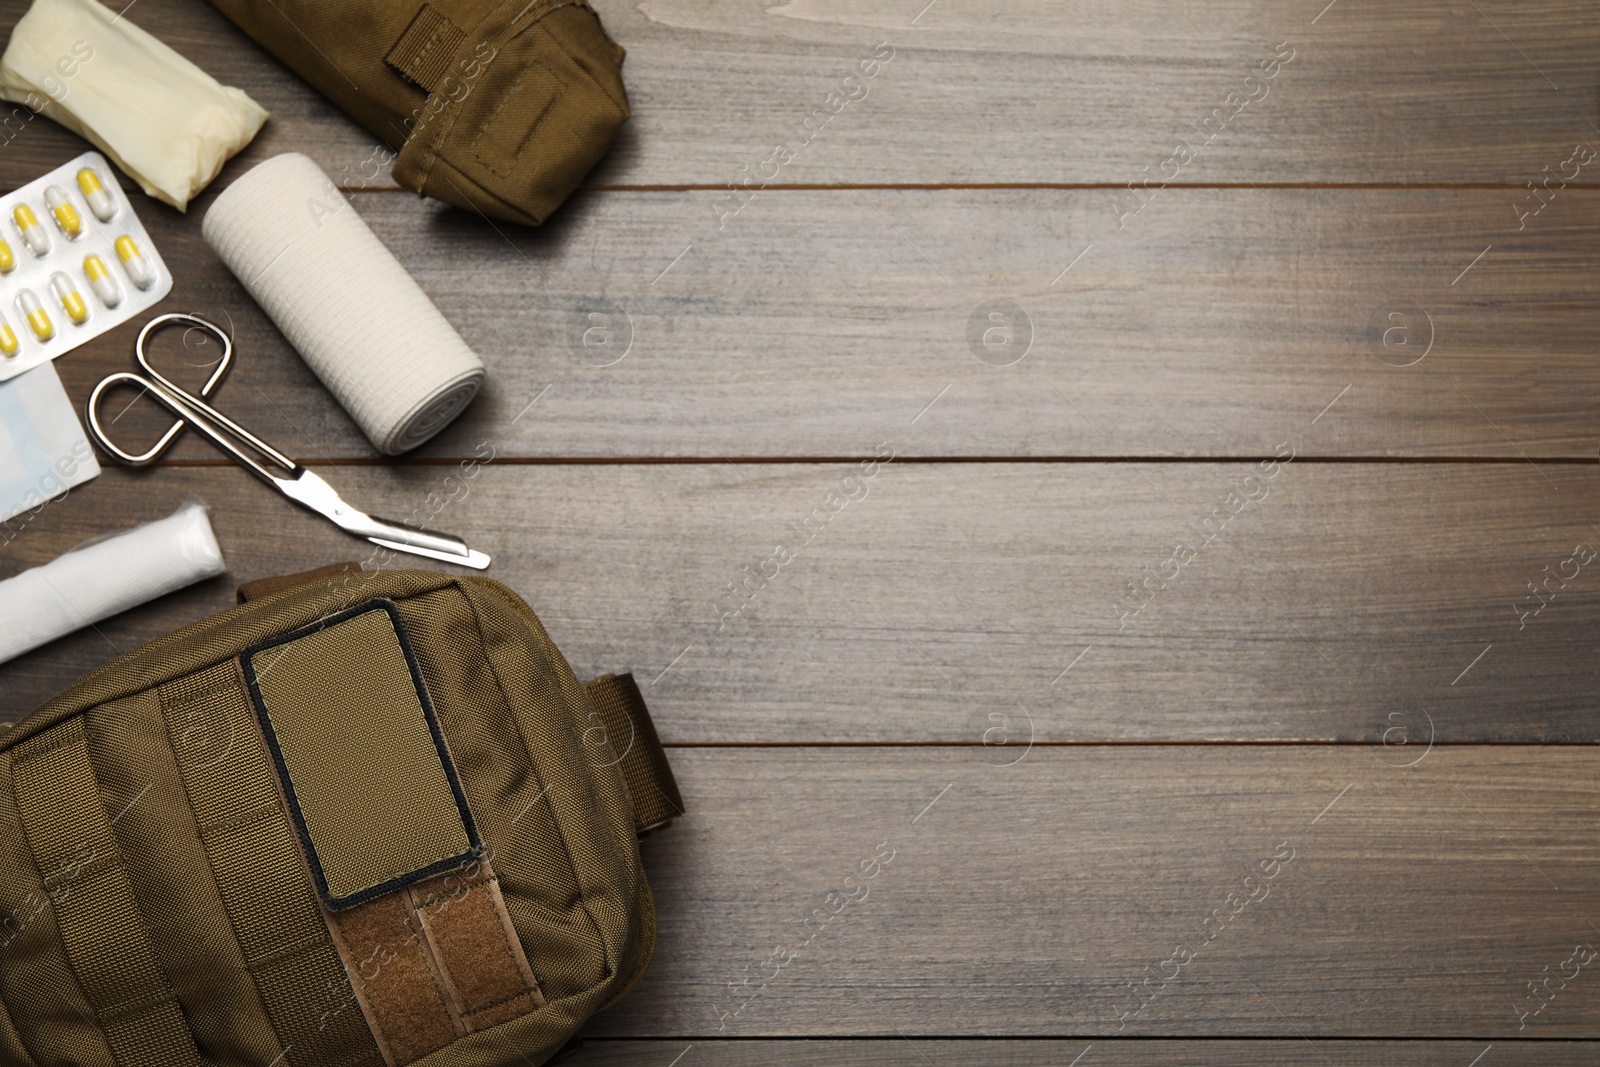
(344, 302)
(100, 580)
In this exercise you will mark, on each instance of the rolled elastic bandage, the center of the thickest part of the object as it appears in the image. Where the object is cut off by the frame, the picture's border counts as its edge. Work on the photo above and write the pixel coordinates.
(165, 121)
(100, 580)
(344, 302)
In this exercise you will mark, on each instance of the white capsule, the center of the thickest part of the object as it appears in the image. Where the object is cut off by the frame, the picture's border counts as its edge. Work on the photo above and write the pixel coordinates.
(134, 263)
(34, 312)
(66, 216)
(33, 234)
(70, 299)
(102, 281)
(100, 201)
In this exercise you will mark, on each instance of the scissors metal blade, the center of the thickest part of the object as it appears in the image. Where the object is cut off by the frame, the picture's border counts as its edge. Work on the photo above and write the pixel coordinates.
(309, 490)
(476, 560)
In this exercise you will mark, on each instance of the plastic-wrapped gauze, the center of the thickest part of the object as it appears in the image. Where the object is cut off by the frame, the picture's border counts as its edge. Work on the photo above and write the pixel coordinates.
(110, 576)
(344, 302)
(165, 121)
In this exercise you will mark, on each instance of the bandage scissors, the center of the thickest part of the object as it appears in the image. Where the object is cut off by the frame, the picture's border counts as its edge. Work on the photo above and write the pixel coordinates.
(273, 467)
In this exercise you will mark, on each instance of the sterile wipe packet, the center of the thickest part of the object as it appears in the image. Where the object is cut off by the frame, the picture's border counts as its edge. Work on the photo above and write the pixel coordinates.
(43, 451)
(165, 121)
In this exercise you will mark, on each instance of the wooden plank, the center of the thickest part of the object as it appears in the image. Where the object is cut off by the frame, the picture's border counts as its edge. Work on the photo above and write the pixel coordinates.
(1102, 1052)
(1217, 323)
(975, 602)
(1093, 91)
(1026, 900)
(1096, 90)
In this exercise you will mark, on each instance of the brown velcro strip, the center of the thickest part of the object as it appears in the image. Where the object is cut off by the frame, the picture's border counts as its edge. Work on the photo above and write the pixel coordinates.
(486, 973)
(393, 976)
(434, 962)
(423, 53)
(636, 750)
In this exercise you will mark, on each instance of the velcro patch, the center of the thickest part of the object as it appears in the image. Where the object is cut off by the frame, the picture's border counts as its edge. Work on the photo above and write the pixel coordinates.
(363, 764)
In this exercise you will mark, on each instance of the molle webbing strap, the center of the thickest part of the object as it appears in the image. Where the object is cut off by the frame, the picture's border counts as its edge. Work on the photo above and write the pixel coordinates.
(384, 829)
(261, 587)
(646, 775)
(259, 873)
(70, 835)
(423, 53)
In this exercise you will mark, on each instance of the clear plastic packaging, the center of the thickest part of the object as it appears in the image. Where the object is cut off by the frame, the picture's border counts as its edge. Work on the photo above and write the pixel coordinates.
(168, 124)
(74, 261)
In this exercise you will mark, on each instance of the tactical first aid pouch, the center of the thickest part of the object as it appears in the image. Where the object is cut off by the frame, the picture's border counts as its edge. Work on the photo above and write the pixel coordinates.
(499, 106)
(365, 818)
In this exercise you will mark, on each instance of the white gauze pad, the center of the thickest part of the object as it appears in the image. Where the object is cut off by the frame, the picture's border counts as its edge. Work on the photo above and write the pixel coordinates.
(168, 123)
(344, 302)
(100, 580)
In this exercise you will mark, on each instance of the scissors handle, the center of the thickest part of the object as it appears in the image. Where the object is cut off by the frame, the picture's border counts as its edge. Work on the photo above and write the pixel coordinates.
(297, 483)
(206, 420)
(142, 354)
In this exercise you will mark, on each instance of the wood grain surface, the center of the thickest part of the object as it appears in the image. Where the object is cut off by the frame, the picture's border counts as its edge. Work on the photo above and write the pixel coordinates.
(1091, 648)
(1214, 324)
(1025, 899)
(972, 602)
(1102, 1052)
(1031, 91)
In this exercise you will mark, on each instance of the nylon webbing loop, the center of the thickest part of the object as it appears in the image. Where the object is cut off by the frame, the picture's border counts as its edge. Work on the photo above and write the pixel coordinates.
(70, 835)
(261, 587)
(259, 872)
(423, 53)
(646, 775)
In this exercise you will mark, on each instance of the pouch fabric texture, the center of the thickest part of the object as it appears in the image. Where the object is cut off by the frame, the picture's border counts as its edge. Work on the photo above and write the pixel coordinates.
(364, 819)
(497, 106)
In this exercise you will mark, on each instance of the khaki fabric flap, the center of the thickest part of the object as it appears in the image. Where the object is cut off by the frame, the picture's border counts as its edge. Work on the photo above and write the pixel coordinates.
(360, 755)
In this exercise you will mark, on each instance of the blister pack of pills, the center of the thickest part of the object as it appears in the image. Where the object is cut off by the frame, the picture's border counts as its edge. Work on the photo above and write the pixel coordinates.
(74, 262)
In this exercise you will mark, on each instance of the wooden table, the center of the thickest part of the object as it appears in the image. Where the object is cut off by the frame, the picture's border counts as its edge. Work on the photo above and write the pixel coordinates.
(1308, 291)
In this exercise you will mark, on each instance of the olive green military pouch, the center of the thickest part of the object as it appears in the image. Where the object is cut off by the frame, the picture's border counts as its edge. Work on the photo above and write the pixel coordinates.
(364, 818)
(499, 106)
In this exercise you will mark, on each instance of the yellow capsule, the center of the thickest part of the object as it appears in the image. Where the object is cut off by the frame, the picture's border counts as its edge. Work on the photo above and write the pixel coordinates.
(37, 317)
(66, 215)
(101, 281)
(8, 340)
(71, 300)
(34, 235)
(100, 201)
(8, 262)
(134, 263)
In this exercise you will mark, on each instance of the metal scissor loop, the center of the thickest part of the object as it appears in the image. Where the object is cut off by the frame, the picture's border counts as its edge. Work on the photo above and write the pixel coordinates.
(294, 481)
(141, 353)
